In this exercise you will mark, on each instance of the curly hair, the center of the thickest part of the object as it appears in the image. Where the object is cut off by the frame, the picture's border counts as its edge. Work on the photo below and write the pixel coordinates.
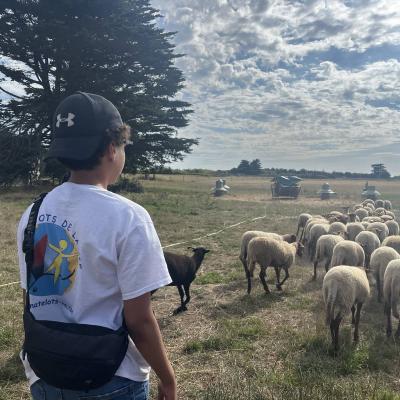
(117, 136)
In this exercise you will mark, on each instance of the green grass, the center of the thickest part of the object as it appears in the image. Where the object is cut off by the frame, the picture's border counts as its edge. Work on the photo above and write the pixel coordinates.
(230, 345)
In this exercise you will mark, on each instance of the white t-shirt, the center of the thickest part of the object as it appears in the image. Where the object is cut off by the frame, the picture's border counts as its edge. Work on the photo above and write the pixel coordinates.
(93, 249)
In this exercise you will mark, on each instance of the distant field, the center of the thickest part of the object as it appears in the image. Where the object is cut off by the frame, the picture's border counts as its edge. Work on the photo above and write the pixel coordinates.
(229, 345)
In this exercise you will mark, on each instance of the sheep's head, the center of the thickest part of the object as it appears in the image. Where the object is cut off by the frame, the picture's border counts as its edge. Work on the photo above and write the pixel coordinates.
(290, 238)
(199, 250)
(300, 249)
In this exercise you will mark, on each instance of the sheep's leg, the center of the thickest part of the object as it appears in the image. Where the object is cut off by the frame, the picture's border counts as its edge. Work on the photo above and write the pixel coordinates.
(301, 235)
(378, 287)
(279, 287)
(388, 312)
(367, 258)
(315, 270)
(187, 291)
(358, 312)
(278, 275)
(262, 278)
(248, 276)
(327, 264)
(182, 307)
(336, 330)
(353, 310)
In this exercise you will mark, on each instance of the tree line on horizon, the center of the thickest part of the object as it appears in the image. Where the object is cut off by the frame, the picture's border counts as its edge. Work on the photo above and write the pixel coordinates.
(255, 168)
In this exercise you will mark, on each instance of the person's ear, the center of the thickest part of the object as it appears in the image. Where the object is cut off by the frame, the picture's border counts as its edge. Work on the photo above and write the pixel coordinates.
(111, 152)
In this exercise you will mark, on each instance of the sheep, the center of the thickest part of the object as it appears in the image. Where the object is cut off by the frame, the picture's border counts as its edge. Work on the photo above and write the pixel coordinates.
(368, 201)
(393, 227)
(386, 218)
(353, 229)
(324, 251)
(387, 205)
(391, 291)
(391, 213)
(379, 261)
(379, 203)
(310, 223)
(247, 236)
(337, 216)
(270, 252)
(345, 288)
(337, 228)
(392, 241)
(380, 211)
(380, 229)
(315, 233)
(182, 270)
(369, 241)
(347, 252)
(361, 213)
(372, 219)
(301, 223)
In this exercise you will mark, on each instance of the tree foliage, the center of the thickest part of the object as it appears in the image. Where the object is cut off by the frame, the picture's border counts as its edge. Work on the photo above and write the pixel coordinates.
(246, 167)
(52, 49)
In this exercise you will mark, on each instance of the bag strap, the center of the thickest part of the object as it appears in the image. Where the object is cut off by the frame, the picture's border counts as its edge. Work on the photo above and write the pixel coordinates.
(28, 243)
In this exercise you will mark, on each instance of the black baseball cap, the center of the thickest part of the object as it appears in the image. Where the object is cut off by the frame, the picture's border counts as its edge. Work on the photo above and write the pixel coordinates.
(79, 124)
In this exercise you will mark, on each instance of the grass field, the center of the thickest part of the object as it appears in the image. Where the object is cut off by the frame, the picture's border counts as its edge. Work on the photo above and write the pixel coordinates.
(229, 345)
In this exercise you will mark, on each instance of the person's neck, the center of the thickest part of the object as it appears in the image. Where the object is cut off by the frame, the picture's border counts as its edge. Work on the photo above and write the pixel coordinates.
(89, 178)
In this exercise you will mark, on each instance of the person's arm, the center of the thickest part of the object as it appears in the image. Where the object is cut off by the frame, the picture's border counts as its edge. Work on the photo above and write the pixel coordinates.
(145, 333)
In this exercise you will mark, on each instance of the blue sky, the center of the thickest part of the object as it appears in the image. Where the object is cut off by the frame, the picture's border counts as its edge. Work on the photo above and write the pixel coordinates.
(295, 83)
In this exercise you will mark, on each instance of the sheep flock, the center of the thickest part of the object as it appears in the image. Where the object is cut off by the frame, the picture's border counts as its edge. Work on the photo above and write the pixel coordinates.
(358, 250)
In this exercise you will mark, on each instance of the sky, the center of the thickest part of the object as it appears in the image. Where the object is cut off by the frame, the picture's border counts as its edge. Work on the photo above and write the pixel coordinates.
(309, 84)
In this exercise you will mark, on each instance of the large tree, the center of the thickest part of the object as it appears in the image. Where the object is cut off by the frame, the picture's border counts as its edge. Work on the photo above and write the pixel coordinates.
(51, 49)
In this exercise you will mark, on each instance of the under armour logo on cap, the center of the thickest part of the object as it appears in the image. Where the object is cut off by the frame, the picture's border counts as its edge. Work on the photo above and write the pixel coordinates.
(69, 120)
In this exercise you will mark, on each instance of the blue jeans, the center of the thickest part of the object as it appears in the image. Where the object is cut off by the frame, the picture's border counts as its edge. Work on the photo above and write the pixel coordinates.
(117, 389)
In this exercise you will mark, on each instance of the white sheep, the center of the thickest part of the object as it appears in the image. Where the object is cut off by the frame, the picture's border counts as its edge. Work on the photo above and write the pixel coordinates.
(380, 258)
(386, 218)
(269, 252)
(387, 204)
(391, 292)
(369, 241)
(379, 203)
(345, 288)
(393, 227)
(370, 220)
(337, 228)
(347, 252)
(379, 211)
(380, 229)
(316, 232)
(353, 229)
(324, 251)
(301, 223)
(361, 213)
(247, 236)
(310, 223)
(368, 201)
(392, 241)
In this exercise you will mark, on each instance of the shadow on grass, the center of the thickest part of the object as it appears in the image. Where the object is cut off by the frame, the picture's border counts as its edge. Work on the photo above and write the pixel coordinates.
(12, 371)
(248, 304)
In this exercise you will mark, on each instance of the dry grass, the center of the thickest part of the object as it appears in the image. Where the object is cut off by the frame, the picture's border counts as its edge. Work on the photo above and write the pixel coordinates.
(229, 345)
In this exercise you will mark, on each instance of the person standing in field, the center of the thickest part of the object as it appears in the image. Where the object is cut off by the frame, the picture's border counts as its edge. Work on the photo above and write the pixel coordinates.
(97, 255)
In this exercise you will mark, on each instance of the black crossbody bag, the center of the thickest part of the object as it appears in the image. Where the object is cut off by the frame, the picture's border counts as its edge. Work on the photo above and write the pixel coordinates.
(68, 355)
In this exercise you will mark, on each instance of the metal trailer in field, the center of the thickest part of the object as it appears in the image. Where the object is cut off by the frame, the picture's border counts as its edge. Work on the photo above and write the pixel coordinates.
(285, 187)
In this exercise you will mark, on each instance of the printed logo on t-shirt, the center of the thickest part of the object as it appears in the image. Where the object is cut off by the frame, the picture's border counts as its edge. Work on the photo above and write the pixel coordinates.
(55, 263)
